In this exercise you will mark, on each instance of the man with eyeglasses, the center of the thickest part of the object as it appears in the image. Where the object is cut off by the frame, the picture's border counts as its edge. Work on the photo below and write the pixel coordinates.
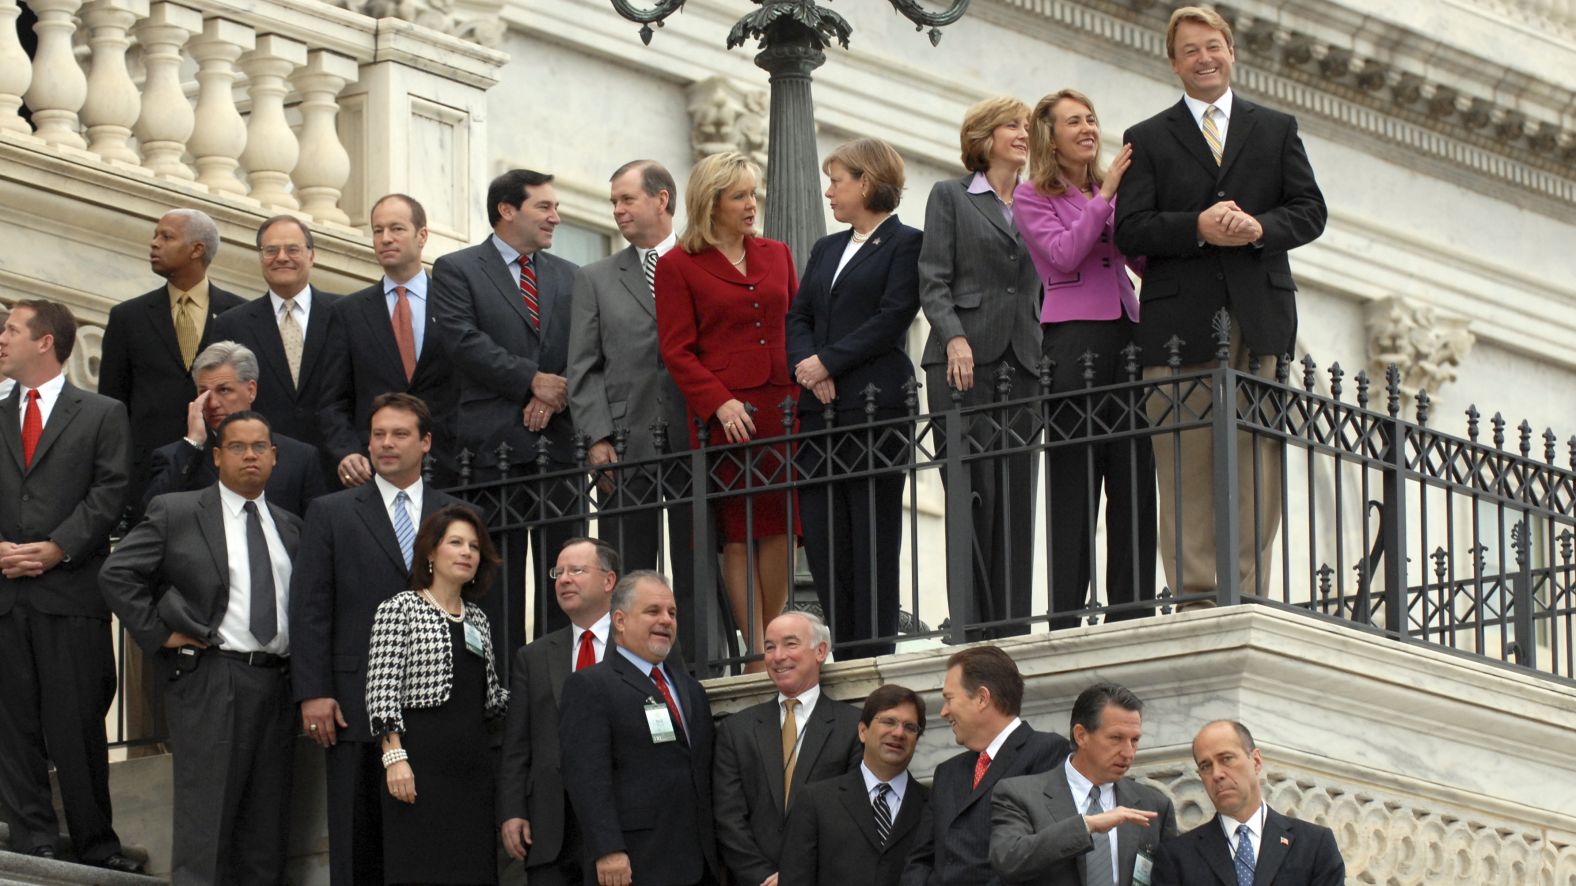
(859, 827)
(226, 374)
(204, 581)
(288, 329)
(534, 818)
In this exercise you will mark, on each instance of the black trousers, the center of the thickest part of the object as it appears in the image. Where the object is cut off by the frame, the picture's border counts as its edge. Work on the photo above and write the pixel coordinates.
(57, 679)
(1125, 468)
(233, 731)
(356, 784)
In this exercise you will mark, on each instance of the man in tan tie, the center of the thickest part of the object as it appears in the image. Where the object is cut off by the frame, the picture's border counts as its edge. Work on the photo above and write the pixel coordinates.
(767, 752)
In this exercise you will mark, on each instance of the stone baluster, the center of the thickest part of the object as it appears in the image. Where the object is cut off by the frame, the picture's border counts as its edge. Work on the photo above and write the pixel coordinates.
(220, 135)
(113, 102)
(324, 167)
(16, 70)
(59, 87)
(271, 147)
(167, 117)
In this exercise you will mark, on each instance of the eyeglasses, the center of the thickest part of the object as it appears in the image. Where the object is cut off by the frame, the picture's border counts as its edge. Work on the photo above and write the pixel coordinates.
(576, 571)
(238, 449)
(893, 723)
(294, 250)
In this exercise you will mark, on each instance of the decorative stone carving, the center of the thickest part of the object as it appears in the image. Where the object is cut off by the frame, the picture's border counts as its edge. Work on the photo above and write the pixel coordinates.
(324, 166)
(167, 117)
(59, 87)
(725, 117)
(82, 367)
(220, 134)
(113, 101)
(272, 148)
(1424, 343)
(16, 70)
(478, 20)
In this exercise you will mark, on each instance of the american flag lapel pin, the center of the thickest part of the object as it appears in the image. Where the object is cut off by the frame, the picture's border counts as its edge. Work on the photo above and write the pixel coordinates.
(1285, 841)
(876, 242)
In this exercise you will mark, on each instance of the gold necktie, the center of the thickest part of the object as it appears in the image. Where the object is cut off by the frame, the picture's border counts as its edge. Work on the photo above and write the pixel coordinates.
(186, 330)
(1212, 134)
(790, 746)
(290, 335)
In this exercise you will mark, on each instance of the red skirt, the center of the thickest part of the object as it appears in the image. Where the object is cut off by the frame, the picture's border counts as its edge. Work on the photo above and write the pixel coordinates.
(754, 514)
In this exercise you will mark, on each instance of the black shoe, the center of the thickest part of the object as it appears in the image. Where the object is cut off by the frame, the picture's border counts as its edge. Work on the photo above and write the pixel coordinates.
(121, 863)
(45, 851)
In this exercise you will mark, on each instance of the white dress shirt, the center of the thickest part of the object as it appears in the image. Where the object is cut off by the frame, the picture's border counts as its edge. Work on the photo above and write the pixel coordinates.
(48, 396)
(801, 714)
(660, 249)
(994, 748)
(598, 639)
(390, 492)
(416, 295)
(898, 784)
(1222, 116)
(235, 632)
(1255, 825)
(1079, 786)
(302, 305)
(646, 668)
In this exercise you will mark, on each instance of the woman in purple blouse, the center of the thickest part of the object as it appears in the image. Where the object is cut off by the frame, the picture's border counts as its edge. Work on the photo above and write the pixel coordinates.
(1065, 213)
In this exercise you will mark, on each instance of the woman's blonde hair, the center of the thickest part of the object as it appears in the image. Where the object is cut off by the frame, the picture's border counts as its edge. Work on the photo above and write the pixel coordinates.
(877, 165)
(981, 122)
(1045, 167)
(708, 181)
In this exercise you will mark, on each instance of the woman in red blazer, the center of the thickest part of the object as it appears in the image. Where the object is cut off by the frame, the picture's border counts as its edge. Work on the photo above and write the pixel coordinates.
(1064, 213)
(722, 297)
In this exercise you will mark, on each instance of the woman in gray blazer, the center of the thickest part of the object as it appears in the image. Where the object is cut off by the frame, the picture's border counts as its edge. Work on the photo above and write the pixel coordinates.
(980, 292)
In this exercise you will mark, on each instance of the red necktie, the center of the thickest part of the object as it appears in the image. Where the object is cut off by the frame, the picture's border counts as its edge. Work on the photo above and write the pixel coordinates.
(662, 687)
(404, 332)
(980, 765)
(528, 291)
(32, 427)
(587, 656)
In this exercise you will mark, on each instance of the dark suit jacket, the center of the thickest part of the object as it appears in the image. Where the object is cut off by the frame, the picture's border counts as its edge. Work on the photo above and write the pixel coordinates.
(295, 482)
(72, 493)
(630, 794)
(496, 352)
(348, 564)
(1173, 178)
(362, 361)
(832, 832)
(953, 847)
(1291, 853)
(747, 784)
(172, 573)
(530, 783)
(1038, 833)
(976, 280)
(858, 325)
(141, 367)
(291, 409)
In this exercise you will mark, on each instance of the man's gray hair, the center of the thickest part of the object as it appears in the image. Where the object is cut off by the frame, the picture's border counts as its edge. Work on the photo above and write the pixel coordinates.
(200, 229)
(624, 591)
(819, 632)
(227, 353)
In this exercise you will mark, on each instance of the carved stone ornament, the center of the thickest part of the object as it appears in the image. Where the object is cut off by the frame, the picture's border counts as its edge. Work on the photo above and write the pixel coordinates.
(1425, 344)
(478, 21)
(725, 117)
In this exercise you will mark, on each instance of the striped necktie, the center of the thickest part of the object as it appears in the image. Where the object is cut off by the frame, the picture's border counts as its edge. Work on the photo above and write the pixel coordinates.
(1217, 147)
(650, 264)
(404, 530)
(528, 291)
(883, 811)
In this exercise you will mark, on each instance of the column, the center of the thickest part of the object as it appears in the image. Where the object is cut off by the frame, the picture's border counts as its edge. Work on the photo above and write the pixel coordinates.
(167, 117)
(59, 86)
(325, 164)
(271, 147)
(16, 70)
(220, 133)
(113, 101)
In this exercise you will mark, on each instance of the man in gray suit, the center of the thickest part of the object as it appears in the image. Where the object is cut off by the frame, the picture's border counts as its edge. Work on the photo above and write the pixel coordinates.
(65, 456)
(1084, 823)
(503, 312)
(618, 387)
(204, 580)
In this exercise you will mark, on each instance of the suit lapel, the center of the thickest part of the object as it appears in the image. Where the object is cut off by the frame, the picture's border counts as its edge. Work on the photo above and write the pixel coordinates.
(11, 425)
(769, 746)
(1237, 132)
(557, 652)
(551, 293)
(210, 521)
(492, 266)
(316, 334)
(1217, 852)
(856, 801)
(164, 327)
(369, 508)
(1065, 806)
(1185, 130)
(641, 682)
(66, 408)
(816, 734)
(907, 815)
(1274, 846)
(373, 307)
(289, 532)
(272, 344)
(880, 238)
(990, 207)
(1127, 835)
(633, 276)
(1003, 760)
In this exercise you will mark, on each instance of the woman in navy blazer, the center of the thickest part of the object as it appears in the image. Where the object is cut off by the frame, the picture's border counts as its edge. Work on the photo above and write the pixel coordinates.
(846, 332)
(1065, 213)
(721, 299)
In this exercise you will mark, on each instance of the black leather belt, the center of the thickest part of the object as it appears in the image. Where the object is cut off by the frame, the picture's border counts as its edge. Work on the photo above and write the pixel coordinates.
(255, 659)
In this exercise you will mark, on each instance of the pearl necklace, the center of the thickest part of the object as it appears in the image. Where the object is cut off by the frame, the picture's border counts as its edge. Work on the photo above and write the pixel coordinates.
(439, 606)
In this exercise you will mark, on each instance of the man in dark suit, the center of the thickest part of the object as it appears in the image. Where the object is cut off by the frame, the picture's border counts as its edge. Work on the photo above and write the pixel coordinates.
(205, 578)
(150, 341)
(767, 753)
(355, 554)
(384, 339)
(226, 375)
(534, 817)
(503, 308)
(636, 739)
(1085, 822)
(1219, 191)
(1247, 843)
(288, 330)
(64, 457)
(858, 827)
(981, 697)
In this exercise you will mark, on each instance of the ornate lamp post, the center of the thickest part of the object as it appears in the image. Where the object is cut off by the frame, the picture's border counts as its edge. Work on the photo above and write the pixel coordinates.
(792, 35)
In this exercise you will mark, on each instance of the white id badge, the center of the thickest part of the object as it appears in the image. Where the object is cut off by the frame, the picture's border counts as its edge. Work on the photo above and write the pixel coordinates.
(660, 723)
(1143, 865)
(473, 639)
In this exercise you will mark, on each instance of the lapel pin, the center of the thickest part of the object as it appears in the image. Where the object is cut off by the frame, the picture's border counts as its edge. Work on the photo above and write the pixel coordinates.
(1285, 841)
(876, 242)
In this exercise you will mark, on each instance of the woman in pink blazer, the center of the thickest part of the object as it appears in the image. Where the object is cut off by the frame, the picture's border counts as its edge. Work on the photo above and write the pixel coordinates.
(1065, 213)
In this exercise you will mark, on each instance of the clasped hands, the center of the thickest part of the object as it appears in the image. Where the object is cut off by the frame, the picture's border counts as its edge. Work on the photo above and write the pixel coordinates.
(1226, 224)
(549, 396)
(811, 373)
(30, 559)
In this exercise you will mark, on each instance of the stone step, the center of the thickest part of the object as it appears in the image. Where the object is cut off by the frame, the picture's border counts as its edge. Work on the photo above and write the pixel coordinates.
(31, 870)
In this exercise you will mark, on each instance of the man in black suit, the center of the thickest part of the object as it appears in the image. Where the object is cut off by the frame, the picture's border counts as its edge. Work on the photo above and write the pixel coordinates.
(64, 457)
(1247, 843)
(534, 817)
(288, 328)
(981, 697)
(1219, 191)
(767, 753)
(858, 827)
(205, 579)
(150, 341)
(1084, 822)
(503, 309)
(384, 339)
(355, 554)
(636, 736)
(226, 375)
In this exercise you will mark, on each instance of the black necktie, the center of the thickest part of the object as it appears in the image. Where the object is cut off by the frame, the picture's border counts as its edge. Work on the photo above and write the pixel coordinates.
(883, 811)
(265, 612)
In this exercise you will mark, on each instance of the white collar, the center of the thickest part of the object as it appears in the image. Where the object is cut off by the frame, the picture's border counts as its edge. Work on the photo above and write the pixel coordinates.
(660, 249)
(899, 783)
(806, 699)
(994, 748)
(235, 503)
(598, 629)
(302, 299)
(1196, 107)
(389, 491)
(1255, 823)
(415, 287)
(48, 392)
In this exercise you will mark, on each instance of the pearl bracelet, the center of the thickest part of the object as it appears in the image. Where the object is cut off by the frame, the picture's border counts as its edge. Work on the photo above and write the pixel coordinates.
(394, 756)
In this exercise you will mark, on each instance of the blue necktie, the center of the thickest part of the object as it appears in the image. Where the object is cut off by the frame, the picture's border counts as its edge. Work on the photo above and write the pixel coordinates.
(403, 529)
(1244, 858)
